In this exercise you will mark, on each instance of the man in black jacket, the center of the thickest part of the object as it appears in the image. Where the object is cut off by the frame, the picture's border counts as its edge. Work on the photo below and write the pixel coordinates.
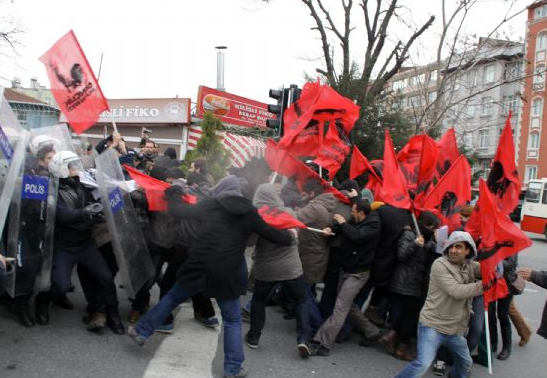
(216, 263)
(357, 249)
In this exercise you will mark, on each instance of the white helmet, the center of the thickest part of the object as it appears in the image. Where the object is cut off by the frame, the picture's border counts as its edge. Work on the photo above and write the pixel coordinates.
(40, 141)
(61, 162)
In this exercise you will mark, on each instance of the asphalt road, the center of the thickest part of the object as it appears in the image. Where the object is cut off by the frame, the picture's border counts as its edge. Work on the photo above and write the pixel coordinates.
(64, 349)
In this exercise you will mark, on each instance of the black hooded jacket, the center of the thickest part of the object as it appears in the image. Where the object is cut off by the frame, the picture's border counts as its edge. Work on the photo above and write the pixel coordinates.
(216, 259)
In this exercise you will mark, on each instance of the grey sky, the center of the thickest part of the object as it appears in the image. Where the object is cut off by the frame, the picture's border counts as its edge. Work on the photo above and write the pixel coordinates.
(167, 47)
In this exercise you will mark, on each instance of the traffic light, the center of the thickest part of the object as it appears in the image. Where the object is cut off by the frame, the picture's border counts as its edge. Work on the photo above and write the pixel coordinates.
(282, 97)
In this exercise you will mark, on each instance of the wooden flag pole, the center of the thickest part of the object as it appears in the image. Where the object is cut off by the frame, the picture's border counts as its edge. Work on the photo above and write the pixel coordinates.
(415, 223)
(319, 231)
(113, 123)
(274, 177)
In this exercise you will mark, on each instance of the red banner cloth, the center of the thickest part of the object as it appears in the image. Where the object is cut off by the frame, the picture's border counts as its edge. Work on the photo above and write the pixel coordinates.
(285, 164)
(451, 193)
(503, 180)
(497, 235)
(73, 83)
(154, 189)
(279, 219)
(448, 152)
(418, 162)
(393, 191)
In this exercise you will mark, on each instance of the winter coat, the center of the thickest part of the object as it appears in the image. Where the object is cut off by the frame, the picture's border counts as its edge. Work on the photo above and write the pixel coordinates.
(510, 265)
(274, 262)
(216, 259)
(393, 222)
(540, 279)
(452, 287)
(334, 262)
(72, 227)
(359, 243)
(411, 274)
(313, 246)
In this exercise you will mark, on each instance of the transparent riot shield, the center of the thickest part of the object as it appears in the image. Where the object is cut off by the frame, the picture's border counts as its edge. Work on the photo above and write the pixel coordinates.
(129, 245)
(32, 212)
(13, 140)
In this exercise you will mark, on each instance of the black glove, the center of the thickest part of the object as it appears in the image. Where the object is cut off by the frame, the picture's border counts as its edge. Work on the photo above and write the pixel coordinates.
(92, 210)
(174, 191)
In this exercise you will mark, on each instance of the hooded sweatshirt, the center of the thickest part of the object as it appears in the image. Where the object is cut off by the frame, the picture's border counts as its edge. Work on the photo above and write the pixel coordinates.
(452, 287)
(216, 258)
(274, 262)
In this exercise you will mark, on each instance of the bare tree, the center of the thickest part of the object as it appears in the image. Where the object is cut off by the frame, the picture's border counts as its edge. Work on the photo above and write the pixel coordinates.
(10, 34)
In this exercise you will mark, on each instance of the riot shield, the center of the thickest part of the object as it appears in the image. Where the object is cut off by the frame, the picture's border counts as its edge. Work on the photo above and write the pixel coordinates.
(12, 148)
(32, 212)
(129, 245)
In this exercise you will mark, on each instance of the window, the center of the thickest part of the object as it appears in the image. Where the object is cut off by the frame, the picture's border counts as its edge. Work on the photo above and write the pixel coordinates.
(414, 101)
(539, 78)
(534, 188)
(399, 84)
(472, 78)
(470, 109)
(416, 80)
(489, 73)
(537, 107)
(510, 103)
(540, 12)
(483, 138)
(433, 76)
(431, 96)
(541, 42)
(544, 197)
(512, 71)
(530, 174)
(486, 106)
(534, 141)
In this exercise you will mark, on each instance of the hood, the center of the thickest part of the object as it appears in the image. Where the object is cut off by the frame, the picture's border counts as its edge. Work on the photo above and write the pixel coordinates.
(266, 195)
(235, 205)
(228, 186)
(461, 236)
(326, 199)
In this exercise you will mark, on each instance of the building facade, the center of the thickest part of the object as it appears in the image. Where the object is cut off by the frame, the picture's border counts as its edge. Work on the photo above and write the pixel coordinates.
(533, 141)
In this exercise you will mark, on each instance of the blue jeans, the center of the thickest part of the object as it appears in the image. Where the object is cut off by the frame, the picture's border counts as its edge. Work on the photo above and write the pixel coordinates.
(316, 319)
(476, 323)
(429, 340)
(231, 318)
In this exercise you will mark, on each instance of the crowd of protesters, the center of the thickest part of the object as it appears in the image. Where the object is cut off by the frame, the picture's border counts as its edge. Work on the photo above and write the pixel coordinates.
(423, 300)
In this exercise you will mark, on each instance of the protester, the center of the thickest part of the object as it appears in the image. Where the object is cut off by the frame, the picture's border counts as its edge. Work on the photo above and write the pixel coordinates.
(199, 173)
(444, 317)
(228, 220)
(275, 264)
(358, 246)
(540, 279)
(168, 159)
(521, 325)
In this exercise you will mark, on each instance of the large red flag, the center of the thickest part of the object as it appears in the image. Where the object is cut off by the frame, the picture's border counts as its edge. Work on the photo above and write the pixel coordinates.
(418, 162)
(394, 191)
(497, 235)
(359, 165)
(503, 180)
(73, 83)
(279, 219)
(448, 152)
(332, 153)
(154, 189)
(449, 195)
(285, 164)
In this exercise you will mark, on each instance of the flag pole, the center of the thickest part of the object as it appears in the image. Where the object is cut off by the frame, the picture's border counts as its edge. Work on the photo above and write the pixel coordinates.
(113, 122)
(274, 177)
(486, 325)
(415, 222)
(319, 231)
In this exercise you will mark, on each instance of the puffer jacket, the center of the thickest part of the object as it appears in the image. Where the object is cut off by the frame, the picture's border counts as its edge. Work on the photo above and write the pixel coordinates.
(413, 264)
(313, 246)
(452, 287)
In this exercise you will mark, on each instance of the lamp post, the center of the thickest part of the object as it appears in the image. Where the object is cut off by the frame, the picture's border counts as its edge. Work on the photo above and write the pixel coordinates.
(220, 67)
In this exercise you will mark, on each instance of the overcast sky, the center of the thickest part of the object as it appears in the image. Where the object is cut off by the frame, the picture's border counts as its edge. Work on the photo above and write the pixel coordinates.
(166, 48)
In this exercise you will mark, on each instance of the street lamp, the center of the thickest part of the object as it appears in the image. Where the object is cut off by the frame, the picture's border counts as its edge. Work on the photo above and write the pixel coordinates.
(220, 67)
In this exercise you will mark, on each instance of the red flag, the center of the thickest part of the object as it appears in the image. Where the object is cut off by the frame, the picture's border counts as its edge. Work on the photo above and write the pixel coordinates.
(497, 235)
(503, 180)
(154, 188)
(285, 164)
(448, 152)
(451, 193)
(332, 153)
(494, 285)
(374, 182)
(279, 219)
(393, 190)
(418, 162)
(73, 83)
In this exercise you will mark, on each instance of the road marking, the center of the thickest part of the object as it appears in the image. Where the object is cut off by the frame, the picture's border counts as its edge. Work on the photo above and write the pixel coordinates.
(188, 352)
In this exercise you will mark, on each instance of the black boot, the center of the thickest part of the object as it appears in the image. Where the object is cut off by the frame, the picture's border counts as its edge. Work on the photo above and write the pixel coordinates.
(506, 338)
(42, 309)
(22, 309)
(115, 323)
(64, 303)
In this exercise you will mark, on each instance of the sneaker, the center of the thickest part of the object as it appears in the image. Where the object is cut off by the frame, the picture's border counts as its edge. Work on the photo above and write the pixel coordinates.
(439, 368)
(211, 322)
(250, 342)
(165, 328)
(241, 374)
(304, 350)
(319, 350)
(245, 315)
(138, 339)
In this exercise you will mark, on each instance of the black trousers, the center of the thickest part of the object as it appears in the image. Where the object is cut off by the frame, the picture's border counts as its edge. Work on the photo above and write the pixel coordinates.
(409, 309)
